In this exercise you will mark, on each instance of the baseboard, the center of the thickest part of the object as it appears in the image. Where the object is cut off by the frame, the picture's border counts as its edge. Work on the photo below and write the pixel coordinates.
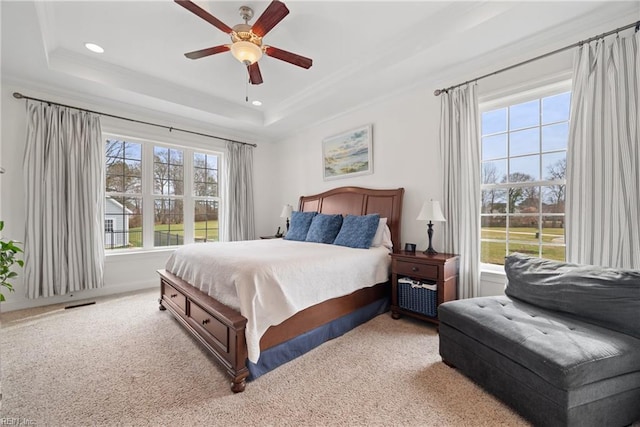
(75, 297)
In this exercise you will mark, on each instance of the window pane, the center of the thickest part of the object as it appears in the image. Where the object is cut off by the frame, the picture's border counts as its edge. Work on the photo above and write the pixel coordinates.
(123, 170)
(494, 121)
(554, 165)
(525, 199)
(556, 108)
(524, 169)
(553, 229)
(205, 175)
(524, 115)
(493, 252)
(168, 171)
(494, 172)
(493, 227)
(523, 229)
(524, 142)
(206, 221)
(169, 224)
(494, 146)
(553, 198)
(555, 137)
(123, 222)
(494, 201)
(531, 250)
(554, 252)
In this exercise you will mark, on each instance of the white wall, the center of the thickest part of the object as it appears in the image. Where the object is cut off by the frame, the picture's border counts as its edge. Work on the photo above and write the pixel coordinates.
(405, 154)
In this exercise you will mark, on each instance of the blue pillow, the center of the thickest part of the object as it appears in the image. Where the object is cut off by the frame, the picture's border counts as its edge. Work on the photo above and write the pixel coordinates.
(299, 225)
(357, 231)
(324, 228)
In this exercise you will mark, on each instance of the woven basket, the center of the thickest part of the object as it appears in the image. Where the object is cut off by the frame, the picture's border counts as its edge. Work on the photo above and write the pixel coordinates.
(420, 300)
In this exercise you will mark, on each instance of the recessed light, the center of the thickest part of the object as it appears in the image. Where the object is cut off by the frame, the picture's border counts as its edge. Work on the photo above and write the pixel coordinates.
(94, 47)
(257, 103)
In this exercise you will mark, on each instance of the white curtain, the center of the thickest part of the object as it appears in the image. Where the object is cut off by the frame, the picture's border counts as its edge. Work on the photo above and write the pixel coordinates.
(460, 154)
(63, 174)
(603, 156)
(239, 221)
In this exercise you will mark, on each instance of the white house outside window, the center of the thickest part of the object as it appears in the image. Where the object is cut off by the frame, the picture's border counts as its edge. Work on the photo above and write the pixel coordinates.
(524, 145)
(159, 195)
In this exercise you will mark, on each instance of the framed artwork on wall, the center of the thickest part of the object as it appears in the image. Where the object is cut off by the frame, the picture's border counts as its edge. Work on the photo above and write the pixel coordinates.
(348, 154)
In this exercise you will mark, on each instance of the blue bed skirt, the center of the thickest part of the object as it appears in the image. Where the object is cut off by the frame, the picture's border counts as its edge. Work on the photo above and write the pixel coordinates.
(289, 350)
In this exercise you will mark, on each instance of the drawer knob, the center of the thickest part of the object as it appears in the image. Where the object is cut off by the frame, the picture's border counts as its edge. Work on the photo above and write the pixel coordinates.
(414, 269)
(173, 295)
(205, 321)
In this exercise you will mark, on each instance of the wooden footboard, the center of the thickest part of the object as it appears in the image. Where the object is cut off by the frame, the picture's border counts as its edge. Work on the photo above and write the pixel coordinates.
(221, 329)
(218, 327)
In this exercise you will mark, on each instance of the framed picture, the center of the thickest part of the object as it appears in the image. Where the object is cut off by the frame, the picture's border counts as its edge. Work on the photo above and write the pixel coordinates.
(348, 154)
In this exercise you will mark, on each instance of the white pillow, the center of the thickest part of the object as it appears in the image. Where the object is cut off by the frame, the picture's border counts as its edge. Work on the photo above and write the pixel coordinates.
(386, 238)
(382, 236)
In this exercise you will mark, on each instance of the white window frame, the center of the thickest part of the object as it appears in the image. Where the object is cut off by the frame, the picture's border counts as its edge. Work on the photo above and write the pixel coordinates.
(513, 96)
(149, 197)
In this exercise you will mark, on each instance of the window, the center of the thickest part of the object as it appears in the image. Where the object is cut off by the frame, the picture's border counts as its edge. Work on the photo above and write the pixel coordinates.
(150, 187)
(123, 205)
(524, 161)
(205, 193)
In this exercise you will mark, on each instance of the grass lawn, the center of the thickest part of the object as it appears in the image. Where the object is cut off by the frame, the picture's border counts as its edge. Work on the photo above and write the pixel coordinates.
(523, 240)
(200, 233)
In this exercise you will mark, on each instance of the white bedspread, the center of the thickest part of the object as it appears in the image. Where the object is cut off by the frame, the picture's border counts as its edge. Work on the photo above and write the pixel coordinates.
(270, 280)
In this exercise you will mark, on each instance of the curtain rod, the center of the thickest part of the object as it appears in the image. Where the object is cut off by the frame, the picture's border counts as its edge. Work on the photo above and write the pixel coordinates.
(438, 92)
(18, 95)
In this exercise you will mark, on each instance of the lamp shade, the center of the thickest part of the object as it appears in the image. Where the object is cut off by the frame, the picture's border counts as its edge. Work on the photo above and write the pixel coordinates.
(431, 212)
(286, 211)
(246, 52)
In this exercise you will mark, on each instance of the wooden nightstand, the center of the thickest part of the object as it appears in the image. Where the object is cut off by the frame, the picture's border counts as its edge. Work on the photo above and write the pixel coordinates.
(441, 269)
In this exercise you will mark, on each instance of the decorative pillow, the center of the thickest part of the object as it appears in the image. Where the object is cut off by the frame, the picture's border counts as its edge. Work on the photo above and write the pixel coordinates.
(377, 239)
(358, 231)
(608, 297)
(324, 228)
(299, 225)
(386, 238)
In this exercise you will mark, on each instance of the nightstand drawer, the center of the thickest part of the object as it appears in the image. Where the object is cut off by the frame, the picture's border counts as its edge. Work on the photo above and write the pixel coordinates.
(414, 269)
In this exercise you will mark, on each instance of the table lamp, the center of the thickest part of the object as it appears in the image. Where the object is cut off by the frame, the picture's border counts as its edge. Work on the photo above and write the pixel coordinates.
(286, 213)
(431, 212)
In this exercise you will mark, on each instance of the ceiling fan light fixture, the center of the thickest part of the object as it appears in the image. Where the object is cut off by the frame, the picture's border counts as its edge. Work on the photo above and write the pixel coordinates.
(246, 52)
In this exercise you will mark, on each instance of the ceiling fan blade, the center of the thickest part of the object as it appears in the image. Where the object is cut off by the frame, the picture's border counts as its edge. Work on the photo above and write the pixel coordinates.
(207, 52)
(274, 13)
(292, 58)
(197, 10)
(254, 74)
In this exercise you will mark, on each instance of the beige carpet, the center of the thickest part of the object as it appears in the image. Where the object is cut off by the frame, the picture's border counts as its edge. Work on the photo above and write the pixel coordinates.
(124, 362)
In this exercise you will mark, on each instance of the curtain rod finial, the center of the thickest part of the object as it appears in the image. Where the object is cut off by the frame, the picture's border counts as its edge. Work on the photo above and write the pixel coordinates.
(437, 92)
(17, 95)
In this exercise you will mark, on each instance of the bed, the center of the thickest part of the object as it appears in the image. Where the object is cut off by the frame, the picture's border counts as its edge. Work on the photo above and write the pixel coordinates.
(231, 338)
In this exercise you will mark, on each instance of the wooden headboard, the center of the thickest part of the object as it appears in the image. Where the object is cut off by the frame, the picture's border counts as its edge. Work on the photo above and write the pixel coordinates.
(360, 201)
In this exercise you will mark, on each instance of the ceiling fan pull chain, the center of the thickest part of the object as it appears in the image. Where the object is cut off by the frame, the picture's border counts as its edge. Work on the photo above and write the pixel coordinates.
(246, 90)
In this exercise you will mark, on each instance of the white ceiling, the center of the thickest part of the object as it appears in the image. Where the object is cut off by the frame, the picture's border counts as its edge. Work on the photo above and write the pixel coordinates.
(361, 51)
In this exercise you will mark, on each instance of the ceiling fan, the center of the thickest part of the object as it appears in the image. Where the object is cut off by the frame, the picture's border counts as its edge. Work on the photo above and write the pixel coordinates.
(246, 40)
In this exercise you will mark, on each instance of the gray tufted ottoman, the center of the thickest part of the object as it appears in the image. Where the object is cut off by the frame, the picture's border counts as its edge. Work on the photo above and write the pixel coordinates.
(553, 367)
